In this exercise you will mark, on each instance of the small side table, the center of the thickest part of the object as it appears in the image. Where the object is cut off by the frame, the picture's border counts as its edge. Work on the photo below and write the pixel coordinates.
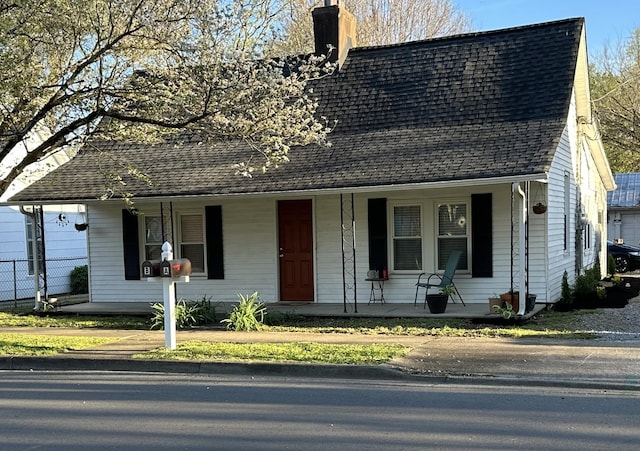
(379, 281)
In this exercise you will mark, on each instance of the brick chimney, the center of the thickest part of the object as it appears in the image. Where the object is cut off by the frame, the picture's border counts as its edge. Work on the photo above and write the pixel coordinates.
(334, 25)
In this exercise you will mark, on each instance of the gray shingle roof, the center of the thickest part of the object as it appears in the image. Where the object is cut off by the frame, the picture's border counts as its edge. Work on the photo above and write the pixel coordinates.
(480, 105)
(627, 193)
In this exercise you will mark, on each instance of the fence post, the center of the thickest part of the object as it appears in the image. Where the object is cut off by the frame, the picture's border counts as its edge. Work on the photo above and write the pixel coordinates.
(15, 286)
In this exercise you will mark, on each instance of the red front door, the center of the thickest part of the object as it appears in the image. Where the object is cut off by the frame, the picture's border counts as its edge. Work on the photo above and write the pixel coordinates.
(296, 250)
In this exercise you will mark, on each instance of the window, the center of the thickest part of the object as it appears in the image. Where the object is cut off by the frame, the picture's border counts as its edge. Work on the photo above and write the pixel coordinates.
(567, 210)
(407, 238)
(29, 233)
(192, 240)
(452, 232)
(152, 237)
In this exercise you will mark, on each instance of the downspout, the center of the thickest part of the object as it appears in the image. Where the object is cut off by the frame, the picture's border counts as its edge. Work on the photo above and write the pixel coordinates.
(522, 218)
(36, 260)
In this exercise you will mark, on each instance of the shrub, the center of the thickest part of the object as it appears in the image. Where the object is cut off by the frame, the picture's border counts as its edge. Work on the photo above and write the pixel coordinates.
(247, 315)
(79, 280)
(566, 301)
(188, 313)
(205, 311)
(611, 265)
(587, 283)
(585, 293)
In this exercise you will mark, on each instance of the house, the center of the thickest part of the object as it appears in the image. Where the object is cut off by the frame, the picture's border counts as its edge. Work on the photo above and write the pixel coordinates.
(623, 219)
(60, 246)
(441, 145)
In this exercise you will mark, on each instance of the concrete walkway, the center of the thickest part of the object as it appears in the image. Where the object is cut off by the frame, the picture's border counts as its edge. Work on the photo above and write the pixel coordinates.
(599, 364)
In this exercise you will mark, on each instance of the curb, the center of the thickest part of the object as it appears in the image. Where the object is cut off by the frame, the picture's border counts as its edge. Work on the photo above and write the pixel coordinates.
(303, 370)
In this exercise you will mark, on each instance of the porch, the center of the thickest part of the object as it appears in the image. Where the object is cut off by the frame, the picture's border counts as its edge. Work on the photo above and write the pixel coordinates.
(309, 309)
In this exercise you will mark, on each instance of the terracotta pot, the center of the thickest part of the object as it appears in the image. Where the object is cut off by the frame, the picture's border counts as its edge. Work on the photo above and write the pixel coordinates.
(513, 299)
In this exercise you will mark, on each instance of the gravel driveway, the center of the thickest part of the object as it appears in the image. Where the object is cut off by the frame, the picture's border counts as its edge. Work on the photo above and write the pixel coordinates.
(613, 323)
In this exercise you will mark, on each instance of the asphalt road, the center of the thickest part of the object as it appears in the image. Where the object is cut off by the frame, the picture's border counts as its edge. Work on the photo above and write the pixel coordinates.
(134, 411)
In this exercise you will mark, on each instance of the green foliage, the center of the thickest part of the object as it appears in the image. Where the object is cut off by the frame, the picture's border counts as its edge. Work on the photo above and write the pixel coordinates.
(566, 301)
(586, 288)
(505, 311)
(615, 89)
(38, 345)
(79, 280)
(66, 66)
(188, 313)
(345, 354)
(611, 265)
(29, 318)
(276, 318)
(587, 283)
(447, 289)
(616, 280)
(247, 315)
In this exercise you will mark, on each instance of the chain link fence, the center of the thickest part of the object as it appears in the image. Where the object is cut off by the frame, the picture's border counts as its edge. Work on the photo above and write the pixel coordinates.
(17, 285)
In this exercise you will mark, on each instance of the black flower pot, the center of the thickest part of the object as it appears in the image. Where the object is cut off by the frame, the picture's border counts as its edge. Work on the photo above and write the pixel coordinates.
(437, 302)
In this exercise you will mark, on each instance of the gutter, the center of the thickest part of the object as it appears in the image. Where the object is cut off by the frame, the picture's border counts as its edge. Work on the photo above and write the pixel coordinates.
(538, 177)
(522, 219)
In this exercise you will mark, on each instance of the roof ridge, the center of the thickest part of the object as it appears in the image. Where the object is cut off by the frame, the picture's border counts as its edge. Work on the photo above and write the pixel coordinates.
(472, 34)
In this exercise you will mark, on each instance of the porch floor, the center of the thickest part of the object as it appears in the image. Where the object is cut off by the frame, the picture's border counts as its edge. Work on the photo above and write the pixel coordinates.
(309, 309)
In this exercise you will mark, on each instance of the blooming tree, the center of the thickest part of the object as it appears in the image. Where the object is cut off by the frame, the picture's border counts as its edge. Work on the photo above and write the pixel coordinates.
(142, 70)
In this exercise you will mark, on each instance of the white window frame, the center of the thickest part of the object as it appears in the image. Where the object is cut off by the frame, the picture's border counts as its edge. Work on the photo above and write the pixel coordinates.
(393, 238)
(28, 223)
(144, 234)
(179, 243)
(439, 237)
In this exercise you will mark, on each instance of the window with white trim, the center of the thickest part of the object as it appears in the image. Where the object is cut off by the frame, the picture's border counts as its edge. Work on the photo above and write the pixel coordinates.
(152, 237)
(567, 210)
(452, 230)
(407, 238)
(29, 234)
(192, 240)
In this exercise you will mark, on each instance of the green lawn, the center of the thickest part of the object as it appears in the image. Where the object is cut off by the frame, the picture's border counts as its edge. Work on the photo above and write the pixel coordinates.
(369, 354)
(40, 345)
(546, 324)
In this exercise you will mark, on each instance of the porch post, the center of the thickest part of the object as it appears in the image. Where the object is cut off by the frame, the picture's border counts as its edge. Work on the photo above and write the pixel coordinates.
(522, 247)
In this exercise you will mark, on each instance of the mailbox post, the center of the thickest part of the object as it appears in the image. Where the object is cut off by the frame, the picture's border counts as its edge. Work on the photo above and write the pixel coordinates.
(170, 271)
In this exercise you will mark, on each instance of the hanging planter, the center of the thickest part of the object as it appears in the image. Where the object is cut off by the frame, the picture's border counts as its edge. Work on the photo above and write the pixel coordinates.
(539, 208)
(81, 222)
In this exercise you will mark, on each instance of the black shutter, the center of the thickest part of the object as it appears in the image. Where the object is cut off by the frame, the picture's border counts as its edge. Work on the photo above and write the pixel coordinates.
(378, 234)
(130, 246)
(215, 256)
(481, 235)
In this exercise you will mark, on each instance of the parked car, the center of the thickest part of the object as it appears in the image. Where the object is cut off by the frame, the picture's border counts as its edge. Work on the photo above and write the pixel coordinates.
(627, 257)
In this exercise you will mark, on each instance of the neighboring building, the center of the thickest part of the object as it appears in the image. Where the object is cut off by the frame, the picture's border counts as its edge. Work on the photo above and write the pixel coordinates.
(623, 219)
(60, 246)
(440, 145)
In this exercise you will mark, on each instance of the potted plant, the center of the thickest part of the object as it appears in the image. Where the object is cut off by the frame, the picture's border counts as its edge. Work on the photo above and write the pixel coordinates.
(512, 298)
(438, 302)
(493, 301)
(506, 311)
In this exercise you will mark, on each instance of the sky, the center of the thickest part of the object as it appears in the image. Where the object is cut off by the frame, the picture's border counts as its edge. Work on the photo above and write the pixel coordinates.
(607, 21)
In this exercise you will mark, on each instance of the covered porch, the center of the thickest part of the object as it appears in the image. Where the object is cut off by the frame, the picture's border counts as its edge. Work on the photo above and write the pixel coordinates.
(310, 309)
